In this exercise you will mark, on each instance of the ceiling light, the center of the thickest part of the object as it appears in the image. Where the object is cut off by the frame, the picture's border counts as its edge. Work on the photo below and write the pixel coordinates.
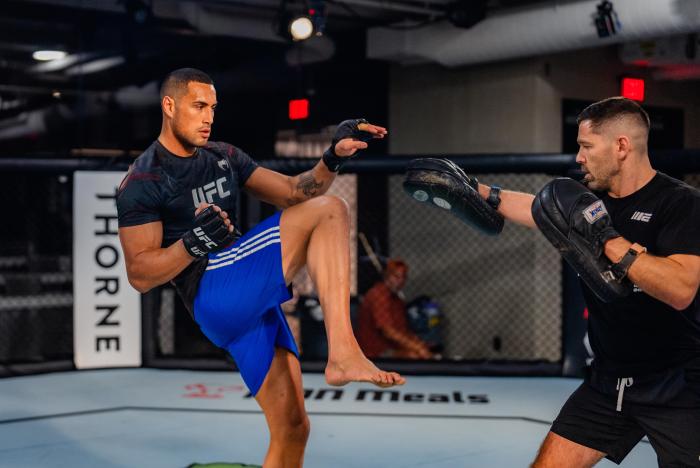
(46, 55)
(95, 66)
(301, 28)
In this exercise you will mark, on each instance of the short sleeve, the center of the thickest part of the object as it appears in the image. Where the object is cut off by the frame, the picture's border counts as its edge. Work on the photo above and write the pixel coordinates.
(244, 164)
(240, 161)
(138, 200)
(679, 232)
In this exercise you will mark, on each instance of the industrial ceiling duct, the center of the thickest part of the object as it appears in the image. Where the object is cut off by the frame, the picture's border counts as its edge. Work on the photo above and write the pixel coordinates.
(542, 29)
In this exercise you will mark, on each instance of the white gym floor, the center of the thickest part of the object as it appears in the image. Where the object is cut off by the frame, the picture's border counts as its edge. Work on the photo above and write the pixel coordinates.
(171, 418)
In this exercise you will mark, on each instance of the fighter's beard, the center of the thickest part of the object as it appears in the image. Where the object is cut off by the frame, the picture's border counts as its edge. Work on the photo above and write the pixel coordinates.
(187, 144)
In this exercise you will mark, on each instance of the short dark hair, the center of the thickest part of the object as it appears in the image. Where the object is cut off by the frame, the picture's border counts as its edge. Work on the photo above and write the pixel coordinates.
(613, 108)
(176, 81)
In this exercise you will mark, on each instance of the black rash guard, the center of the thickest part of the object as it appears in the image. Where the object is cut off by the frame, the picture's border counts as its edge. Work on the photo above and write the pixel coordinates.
(161, 186)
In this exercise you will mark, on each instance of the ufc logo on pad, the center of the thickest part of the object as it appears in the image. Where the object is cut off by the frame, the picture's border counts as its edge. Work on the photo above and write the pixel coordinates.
(639, 216)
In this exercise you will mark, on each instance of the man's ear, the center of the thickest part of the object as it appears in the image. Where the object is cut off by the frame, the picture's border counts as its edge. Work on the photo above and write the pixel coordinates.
(168, 106)
(623, 146)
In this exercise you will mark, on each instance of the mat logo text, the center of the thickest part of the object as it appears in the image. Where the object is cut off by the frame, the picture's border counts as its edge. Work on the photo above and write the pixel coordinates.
(208, 391)
(392, 396)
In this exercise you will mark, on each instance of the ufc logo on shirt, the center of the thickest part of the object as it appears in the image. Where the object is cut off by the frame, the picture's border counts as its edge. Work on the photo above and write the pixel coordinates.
(639, 216)
(207, 192)
(203, 237)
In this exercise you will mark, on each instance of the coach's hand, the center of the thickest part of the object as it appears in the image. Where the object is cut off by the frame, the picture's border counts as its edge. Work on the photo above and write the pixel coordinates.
(212, 231)
(350, 137)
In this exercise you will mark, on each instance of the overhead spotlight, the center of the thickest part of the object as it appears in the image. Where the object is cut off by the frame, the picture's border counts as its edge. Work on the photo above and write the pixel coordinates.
(46, 55)
(301, 28)
(300, 25)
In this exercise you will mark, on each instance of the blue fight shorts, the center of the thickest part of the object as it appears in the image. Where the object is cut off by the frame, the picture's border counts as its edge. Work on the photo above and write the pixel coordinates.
(238, 301)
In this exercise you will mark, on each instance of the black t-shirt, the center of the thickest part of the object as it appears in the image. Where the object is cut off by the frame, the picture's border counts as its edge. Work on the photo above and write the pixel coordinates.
(161, 186)
(638, 335)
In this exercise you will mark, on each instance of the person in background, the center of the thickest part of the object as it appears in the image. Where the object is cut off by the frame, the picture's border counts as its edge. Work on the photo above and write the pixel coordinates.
(382, 325)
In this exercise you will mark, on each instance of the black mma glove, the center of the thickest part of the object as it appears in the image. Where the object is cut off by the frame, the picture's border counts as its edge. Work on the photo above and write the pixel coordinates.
(346, 129)
(210, 234)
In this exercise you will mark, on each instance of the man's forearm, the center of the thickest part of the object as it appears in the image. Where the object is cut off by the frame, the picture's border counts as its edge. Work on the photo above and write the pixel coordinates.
(311, 183)
(660, 277)
(515, 206)
(152, 268)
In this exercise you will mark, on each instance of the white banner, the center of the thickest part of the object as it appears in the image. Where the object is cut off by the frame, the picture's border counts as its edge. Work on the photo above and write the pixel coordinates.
(106, 310)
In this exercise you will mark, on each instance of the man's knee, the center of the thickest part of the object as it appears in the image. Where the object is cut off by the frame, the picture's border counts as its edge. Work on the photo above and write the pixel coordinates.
(317, 209)
(548, 454)
(295, 429)
(556, 451)
(333, 205)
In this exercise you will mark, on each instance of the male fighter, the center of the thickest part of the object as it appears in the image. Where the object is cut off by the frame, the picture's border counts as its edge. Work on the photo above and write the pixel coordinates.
(177, 223)
(634, 239)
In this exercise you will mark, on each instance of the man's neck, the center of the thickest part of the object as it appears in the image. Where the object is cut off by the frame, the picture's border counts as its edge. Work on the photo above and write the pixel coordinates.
(172, 144)
(633, 179)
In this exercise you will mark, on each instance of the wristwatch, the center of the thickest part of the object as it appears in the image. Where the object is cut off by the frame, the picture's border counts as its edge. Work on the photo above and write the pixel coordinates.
(494, 198)
(621, 268)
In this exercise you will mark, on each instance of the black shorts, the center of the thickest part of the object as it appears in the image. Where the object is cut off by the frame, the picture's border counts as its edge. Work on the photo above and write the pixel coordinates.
(590, 418)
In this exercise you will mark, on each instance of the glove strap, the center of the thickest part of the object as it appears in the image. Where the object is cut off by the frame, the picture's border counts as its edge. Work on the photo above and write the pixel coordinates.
(333, 162)
(494, 199)
(621, 268)
(195, 242)
(346, 129)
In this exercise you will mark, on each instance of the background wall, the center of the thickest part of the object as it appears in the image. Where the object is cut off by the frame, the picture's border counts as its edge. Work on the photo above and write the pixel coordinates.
(514, 106)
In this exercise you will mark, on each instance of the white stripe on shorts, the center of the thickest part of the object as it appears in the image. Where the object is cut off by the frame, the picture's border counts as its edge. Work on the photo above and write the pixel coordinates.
(247, 248)
(252, 239)
(241, 255)
(232, 253)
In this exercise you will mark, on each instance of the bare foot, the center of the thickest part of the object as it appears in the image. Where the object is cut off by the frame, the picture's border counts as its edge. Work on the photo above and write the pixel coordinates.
(360, 369)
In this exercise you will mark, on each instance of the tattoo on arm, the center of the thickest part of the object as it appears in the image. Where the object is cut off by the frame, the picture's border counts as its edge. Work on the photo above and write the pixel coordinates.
(308, 185)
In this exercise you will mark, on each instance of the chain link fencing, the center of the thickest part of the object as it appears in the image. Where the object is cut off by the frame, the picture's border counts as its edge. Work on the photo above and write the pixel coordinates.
(36, 280)
(486, 298)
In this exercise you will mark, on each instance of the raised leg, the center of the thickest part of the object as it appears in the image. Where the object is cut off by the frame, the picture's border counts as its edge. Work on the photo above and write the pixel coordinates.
(316, 233)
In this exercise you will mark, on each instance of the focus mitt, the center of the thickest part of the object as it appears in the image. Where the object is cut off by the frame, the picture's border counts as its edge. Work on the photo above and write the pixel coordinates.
(442, 183)
(576, 222)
